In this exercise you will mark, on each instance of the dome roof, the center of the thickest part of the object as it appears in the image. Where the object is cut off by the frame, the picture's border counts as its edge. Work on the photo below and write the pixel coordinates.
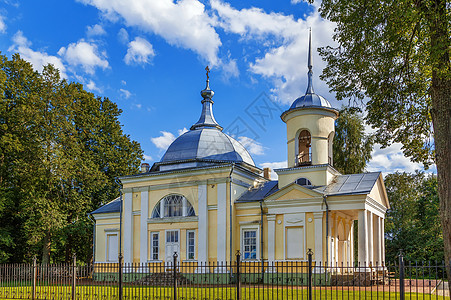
(310, 100)
(206, 144)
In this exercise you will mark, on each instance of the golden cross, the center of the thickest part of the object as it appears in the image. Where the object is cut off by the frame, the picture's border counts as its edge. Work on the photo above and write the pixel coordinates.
(208, 72)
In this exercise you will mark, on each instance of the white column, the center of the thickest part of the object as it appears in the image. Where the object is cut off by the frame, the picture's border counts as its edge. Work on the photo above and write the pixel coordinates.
(127, 233)
(271, 238)
(351, 244)
(144, 243)
(202, 252)
(370, 238)
(222, 223)
(318, 217)
(363, 238)
(377, 240)
(382, 224)
(184, 207)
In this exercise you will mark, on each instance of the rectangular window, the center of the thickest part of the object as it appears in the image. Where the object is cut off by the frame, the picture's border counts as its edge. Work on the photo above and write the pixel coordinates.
(190, 244)
(112, 247)
(155, 240)
(250, 244)
(172, 236)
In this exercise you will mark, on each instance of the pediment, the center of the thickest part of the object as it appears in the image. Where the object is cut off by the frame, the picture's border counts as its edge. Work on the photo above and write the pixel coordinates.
(293, 191)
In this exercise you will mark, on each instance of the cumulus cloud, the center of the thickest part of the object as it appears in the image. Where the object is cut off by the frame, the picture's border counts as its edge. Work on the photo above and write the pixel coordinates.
(139, 51)
(93, 87)
(285, 39)
(123, 36)
(125, 93)
(85, 54)
(391, 159)
(166, 138)
(251, 145)
(163, 141)
(230, 69)
(2, 24)
(272, 166)
(147, 157)
(38, 59)
(183, 23)
(95, 30)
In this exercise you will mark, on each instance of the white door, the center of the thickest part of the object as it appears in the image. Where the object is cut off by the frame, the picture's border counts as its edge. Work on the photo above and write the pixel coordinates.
(295, 242)
(112, 244)
(172, 245)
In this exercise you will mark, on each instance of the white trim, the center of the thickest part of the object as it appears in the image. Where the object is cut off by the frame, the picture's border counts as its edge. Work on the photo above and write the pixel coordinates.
(222, 223)
(257, 240)
(318, 223)
(151, 246)
(111, 230)
(202, 250)
(187, 245)
(370, 238)
(106, 216)
(271, 237)
(143, 226)
(127, 233)
(363, 238)
(117, 223)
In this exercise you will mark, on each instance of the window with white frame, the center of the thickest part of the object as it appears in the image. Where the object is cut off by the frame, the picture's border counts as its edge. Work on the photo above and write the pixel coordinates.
(173, 206)
(112, 244)
(190, 244)
(249, 242)
(155, 245)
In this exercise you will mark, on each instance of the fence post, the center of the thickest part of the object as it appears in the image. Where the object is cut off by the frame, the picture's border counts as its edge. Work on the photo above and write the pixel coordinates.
(35, 275)
(174, 273)
(401, 276)
(74, 276)
(121, 271)
(238, 281)
(310, 254)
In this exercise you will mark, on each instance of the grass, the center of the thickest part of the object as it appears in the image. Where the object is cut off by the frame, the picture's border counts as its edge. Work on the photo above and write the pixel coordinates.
(165, 293)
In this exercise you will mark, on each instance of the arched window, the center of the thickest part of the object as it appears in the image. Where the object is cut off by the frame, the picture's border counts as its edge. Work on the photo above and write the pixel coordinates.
(304, 181)
(173, 206)
(304, 156)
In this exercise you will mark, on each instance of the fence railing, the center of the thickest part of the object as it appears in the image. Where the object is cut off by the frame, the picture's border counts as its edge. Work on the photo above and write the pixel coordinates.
(216, 280)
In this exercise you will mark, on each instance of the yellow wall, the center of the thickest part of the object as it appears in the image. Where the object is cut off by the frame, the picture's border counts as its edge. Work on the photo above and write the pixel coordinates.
(318, 176)
(212, 235)
(310, 232)
(100, 243)
(136, 238)
(279, 247)
(136, 202)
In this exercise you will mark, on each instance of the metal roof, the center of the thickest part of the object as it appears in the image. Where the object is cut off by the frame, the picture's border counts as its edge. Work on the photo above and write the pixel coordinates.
(111, 207)
(353, 184)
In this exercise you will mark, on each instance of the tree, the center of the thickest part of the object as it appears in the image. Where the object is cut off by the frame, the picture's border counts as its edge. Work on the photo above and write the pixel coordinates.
(395, 55)
(413, 220)
(351, 148)
(61, 149)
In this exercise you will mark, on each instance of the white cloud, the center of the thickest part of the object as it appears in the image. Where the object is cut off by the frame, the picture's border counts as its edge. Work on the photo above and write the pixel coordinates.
(85, 54)
(123, 82)
(93, 87)
(147, 157)
(272, 166)
(251, 145)
(162, 142)
(230, 69)
(125, 93)
(391, 159)
(183, 23)
(139, 51)
(38, 59)
(95, 30)
(286, 45)
(296, 1)
(166, 138)
(2, 24)
(123, 36)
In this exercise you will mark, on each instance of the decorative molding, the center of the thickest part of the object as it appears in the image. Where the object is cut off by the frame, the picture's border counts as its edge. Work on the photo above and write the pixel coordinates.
(106, 216)
(136, 213)
(173, 220)
(270, 217)
(212, 207)
(111, 230)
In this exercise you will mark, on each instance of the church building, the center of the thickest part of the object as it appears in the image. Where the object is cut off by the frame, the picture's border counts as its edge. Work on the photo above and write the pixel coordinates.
(206, 199)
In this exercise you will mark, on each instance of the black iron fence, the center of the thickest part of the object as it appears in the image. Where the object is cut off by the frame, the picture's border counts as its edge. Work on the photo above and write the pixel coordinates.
(214, 280)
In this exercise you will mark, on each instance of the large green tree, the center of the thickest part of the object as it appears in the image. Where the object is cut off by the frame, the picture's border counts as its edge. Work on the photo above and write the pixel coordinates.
(61, 150)
(352, 147)
(395, 57)
(413, 220)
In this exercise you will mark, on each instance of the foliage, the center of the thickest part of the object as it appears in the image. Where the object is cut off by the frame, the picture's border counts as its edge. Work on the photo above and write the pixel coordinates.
(351, 148)
(413, 223)
(61, 149)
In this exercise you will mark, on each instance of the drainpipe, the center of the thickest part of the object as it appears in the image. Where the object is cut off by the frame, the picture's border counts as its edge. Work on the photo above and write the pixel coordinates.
(93, 238)
(261, 238)
(230, 214)
(327, 227)
(120, 225)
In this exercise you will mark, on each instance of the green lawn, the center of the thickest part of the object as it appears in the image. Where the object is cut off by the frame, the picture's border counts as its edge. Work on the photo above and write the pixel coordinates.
(102, 292)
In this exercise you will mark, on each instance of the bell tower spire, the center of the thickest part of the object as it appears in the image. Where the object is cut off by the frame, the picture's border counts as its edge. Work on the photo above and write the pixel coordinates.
(310, 66)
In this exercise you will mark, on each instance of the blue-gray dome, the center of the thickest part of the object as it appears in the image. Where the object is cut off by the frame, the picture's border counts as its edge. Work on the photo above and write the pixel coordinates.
(206, 144)
(310, 100)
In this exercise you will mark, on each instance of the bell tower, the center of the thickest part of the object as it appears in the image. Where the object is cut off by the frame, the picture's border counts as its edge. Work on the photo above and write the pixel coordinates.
(310, 126)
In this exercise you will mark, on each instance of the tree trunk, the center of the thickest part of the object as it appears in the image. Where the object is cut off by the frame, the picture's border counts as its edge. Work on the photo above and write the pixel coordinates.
(46, 249)
(441, 118)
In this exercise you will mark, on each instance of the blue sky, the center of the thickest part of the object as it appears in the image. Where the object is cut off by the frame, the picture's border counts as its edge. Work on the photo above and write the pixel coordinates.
(149, 57)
